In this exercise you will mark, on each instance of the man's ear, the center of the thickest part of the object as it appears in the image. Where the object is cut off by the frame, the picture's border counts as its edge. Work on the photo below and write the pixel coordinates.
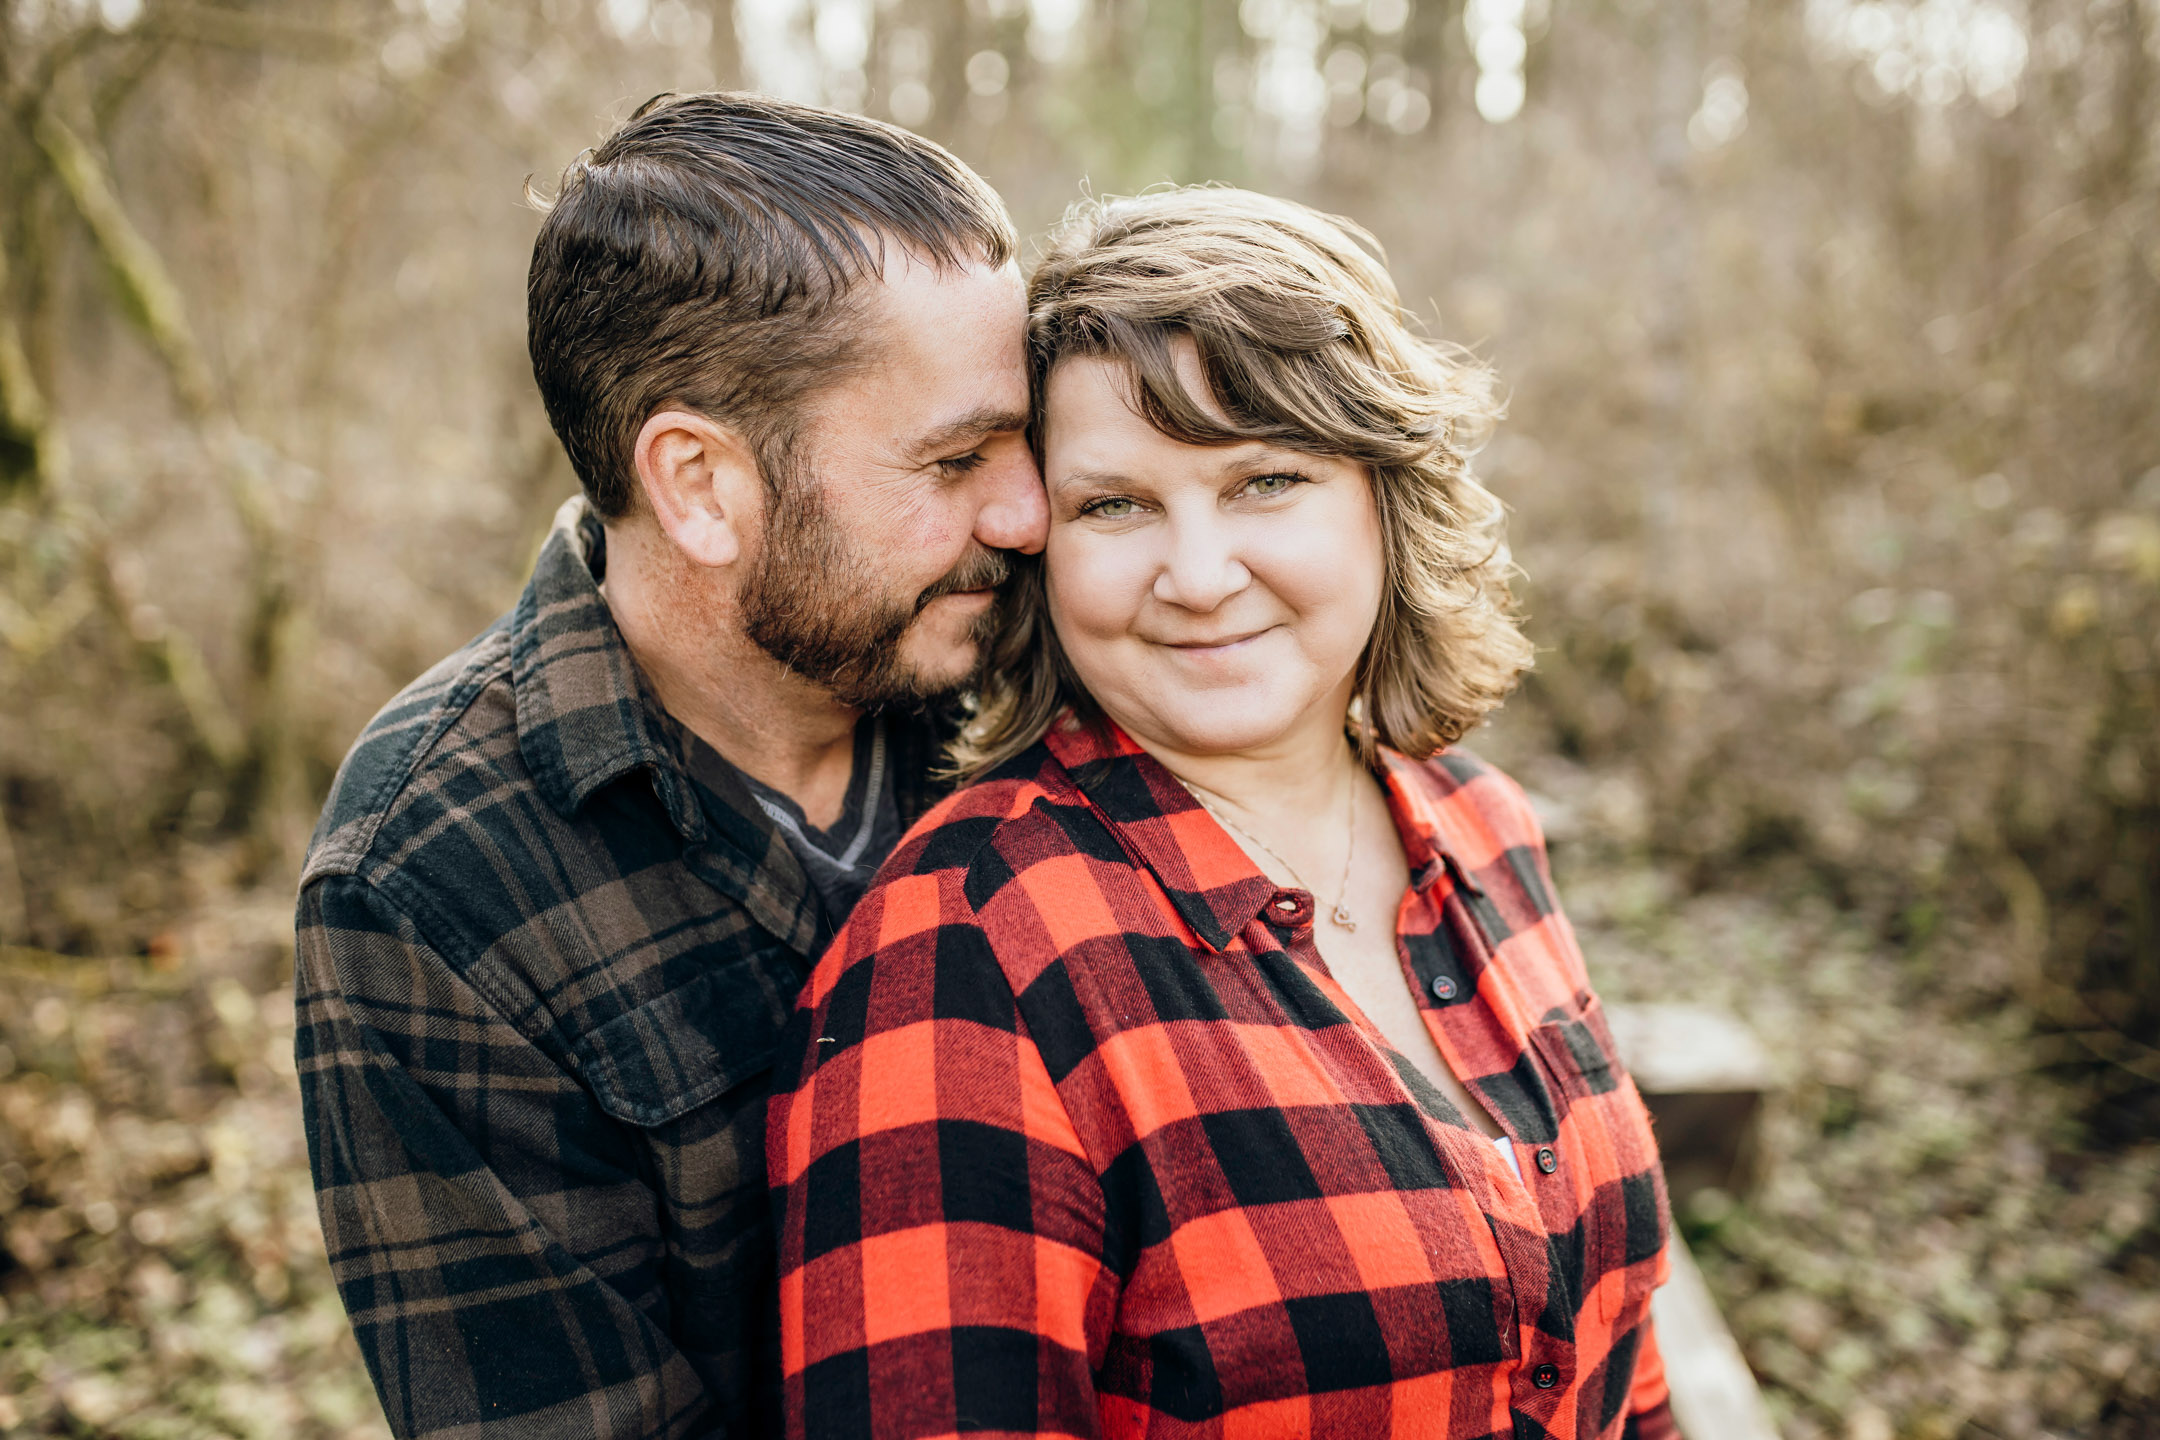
(703, 484)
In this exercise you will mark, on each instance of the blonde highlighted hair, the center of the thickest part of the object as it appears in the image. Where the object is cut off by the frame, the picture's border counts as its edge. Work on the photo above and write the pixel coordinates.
(1304, 345)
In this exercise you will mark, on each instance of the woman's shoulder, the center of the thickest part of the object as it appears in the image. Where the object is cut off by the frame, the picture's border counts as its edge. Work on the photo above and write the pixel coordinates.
(1467, 791)
(944, 902)
(984, 816)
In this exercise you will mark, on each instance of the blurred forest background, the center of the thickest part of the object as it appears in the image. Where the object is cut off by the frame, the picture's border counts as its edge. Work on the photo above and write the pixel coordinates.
(1833, 337)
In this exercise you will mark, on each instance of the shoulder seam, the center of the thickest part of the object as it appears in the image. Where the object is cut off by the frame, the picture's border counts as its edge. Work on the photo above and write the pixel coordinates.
(346, 856)
(421, 916)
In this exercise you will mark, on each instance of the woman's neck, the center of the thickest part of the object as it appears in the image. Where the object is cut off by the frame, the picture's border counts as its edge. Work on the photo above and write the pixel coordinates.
(1295, 780)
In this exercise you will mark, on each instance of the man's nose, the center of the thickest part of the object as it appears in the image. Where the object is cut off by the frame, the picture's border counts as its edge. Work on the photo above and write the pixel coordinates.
(1016, 513)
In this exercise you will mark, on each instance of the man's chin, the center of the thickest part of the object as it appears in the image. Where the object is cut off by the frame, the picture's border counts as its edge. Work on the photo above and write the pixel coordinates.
(912, 676)
(939, 673)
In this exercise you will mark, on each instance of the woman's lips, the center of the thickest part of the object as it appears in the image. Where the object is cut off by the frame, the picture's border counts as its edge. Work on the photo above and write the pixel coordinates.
(1215, 646)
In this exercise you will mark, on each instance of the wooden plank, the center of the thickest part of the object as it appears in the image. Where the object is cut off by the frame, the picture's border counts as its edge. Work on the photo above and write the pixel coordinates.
(1703, 1074)
(1714, 1395)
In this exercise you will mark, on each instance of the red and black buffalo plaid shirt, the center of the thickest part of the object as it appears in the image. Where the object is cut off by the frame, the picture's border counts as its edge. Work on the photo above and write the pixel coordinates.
(1076, 1135)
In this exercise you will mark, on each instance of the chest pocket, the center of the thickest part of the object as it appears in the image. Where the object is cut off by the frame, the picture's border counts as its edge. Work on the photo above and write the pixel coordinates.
(1608, 1127)
(658, 1062)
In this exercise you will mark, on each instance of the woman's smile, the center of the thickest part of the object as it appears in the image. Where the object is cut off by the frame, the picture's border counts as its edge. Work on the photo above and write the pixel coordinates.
(1209, 649)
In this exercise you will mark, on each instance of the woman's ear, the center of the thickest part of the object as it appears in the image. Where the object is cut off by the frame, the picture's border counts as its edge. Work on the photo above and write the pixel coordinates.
(703, 483)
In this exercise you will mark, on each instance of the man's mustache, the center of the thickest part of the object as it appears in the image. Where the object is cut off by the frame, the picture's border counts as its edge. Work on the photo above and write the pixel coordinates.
(981, 569)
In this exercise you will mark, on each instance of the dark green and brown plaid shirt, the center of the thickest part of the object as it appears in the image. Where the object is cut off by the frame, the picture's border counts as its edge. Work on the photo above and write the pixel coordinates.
(541, 975)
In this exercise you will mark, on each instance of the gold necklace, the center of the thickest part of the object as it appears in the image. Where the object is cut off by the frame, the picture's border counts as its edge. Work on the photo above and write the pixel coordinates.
(1340, 914)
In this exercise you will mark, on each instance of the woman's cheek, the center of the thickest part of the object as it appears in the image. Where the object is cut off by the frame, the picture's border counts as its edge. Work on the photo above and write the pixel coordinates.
(1090, 589)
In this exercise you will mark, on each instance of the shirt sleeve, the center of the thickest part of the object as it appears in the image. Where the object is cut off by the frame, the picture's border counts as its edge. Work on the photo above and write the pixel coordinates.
(437, 1135)
(1649, 1409)
(941, 1227)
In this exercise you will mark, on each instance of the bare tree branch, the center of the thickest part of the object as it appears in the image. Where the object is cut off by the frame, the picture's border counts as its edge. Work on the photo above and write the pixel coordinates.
(152, 301)
(32, 451)
(147, 291)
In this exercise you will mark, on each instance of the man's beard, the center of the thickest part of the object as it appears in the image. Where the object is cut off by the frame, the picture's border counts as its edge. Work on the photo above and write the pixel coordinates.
(808, 602)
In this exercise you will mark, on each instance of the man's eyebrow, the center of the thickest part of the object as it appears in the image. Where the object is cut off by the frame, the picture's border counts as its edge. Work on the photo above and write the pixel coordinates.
(972, 426)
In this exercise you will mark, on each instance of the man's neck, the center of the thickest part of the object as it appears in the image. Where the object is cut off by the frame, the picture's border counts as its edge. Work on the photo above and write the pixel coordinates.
(767, 721)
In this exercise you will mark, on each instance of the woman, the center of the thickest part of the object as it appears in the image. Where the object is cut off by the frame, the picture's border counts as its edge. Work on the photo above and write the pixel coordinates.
(1218, 1062)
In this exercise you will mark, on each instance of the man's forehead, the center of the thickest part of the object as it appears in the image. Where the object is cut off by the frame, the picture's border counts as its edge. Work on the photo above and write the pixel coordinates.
(907, 283)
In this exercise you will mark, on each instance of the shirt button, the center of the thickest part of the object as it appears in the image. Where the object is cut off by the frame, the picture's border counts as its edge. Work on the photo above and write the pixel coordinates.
(1547, 1162)
(1545, 1376)
(1443, 988)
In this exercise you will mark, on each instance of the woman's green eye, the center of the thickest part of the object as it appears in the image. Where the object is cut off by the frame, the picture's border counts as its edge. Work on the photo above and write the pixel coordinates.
(1115, 507)
(1270, 484)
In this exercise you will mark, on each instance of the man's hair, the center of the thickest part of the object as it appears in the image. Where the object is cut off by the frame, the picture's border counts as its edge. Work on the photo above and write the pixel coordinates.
(1303, 344)
(704, 257)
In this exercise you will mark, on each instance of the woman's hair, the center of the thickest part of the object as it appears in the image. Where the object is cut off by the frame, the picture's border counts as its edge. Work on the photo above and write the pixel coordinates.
(1303, 344)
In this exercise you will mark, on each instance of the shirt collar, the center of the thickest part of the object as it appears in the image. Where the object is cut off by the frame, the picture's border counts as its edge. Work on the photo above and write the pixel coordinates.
(584, 716)
(1210, 880)
(1215, 889)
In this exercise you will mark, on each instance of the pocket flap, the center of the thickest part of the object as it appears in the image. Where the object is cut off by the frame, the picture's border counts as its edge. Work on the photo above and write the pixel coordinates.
(1579, 1048)
(668, 1056)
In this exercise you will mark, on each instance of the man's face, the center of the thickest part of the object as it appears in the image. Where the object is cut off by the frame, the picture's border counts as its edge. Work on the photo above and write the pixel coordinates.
(875, 571)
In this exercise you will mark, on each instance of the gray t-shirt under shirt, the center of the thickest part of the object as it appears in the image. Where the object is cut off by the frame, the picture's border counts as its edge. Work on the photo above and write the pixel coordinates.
(839, 862)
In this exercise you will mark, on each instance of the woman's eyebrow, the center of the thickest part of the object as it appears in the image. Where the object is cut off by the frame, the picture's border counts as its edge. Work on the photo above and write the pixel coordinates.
(1242, 458)
(1092, 480)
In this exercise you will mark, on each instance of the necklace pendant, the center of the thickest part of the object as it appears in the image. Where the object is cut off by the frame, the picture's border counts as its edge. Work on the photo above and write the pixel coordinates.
(1341, 916)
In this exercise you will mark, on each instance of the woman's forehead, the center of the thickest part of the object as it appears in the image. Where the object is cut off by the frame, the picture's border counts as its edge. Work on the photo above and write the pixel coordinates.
(1099, 397)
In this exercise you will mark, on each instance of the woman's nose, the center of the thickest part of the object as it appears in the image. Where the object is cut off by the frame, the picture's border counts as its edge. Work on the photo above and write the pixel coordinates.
(1201, 569)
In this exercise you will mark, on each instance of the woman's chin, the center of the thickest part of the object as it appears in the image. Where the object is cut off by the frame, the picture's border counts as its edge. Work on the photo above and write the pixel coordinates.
(1211, 723)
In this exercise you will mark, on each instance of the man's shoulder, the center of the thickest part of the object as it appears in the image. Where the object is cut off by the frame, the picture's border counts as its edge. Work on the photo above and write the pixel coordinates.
(1024, 810)
(455, 727)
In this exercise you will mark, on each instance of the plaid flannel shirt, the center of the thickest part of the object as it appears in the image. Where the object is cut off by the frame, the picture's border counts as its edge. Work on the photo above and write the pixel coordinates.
(1076, 1135)
(541, 976)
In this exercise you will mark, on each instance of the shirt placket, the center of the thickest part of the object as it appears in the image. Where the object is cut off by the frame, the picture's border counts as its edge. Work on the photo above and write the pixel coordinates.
(1544, 1202)
(1469, 1159)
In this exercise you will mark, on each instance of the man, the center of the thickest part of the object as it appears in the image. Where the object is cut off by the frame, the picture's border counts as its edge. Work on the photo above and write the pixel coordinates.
(569, 882)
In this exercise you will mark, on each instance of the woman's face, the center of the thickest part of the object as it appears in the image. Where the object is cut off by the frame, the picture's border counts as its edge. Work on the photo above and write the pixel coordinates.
(1214, 599)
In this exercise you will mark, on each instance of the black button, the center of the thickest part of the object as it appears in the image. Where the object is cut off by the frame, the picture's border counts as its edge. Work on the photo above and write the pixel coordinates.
(1545, 1376)
(1443, 987)
(1546, 1160)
